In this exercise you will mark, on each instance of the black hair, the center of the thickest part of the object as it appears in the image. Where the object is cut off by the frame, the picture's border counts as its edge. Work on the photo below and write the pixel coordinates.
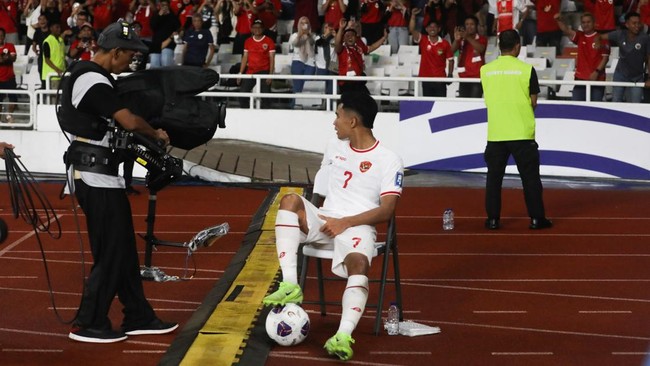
(508, 39)
(631, 14)
(474, 18)
(362, 104)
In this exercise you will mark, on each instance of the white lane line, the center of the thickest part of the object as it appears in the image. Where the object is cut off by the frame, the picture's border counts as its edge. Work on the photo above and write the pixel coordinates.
(605, 312)
(535, 330)
(78, 294)
(291, 352)
(519, 280)
(500, 312)
(327, 359)
(134, 351)
(25, 237)
(526, 254)
(30, 350)
(156, 309)
(529, 292)
(522, 353)
(457, 233)
(630, 353)
(399, 353)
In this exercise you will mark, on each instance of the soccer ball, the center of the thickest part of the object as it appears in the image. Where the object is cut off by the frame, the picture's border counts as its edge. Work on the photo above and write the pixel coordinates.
(288, 325)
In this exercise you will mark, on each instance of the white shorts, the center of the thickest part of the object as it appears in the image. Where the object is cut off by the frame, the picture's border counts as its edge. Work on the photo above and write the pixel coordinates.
(357, 239)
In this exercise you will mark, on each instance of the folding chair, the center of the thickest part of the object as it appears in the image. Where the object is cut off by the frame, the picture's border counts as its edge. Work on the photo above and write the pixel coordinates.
(383, 249)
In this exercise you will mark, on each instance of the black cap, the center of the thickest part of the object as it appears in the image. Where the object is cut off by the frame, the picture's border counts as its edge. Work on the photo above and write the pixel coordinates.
(121, 35)
(362, 104)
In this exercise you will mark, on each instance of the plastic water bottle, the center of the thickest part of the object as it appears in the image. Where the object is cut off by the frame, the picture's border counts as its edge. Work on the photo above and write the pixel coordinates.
(392, 322)
(448, 219)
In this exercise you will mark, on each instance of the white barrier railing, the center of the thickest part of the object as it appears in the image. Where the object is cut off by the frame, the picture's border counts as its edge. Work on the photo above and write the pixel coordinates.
(26, 119)
(23, 115)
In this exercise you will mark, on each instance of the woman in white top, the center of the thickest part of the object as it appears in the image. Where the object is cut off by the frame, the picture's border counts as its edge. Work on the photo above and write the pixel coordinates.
(303, 63)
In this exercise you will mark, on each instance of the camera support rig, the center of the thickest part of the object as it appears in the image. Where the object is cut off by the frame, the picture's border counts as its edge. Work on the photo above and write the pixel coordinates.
(162, 169)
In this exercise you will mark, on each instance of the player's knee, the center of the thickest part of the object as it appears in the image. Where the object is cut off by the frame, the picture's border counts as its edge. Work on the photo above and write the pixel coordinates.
(291, 202)
(357, 264)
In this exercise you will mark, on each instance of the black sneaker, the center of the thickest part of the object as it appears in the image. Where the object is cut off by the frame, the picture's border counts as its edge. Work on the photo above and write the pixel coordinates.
(96, 336)
(156, 326)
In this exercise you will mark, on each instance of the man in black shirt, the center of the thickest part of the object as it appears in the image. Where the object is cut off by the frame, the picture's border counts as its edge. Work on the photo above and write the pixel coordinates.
(101, 194)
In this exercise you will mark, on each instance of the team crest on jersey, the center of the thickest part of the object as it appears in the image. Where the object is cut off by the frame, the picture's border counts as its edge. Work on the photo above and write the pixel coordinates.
(399, 178)
(364, 166)
(265, 46)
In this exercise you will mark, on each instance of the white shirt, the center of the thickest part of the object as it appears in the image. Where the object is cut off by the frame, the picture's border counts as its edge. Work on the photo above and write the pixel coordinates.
(354, 180)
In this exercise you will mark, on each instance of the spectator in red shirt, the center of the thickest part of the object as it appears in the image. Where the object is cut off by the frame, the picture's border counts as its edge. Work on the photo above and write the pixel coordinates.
(184, 13)
(398, 24)
(268, 11)
(142, 12)
(350, 51)
(84, 46)
(102, 14)
(548, 32)
(9, 20)
(603, 11)
(259, 58)
(334, 10)
(372, 12)
(7, 76)
(244, 11)
(644, 10)
(593, 55)
(471, 57)
(436, 58)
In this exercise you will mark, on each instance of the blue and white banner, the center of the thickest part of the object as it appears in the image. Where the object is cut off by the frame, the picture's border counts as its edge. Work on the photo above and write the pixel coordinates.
(575, 139)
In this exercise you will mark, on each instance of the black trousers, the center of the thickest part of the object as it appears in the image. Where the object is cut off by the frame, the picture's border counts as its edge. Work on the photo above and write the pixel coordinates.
(247, 86)
(470, 90)
(434, 89)
(526, 155)
(115, 270)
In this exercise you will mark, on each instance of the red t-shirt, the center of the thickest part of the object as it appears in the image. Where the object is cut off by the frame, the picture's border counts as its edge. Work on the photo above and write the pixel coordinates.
(8, 16)
(333, 14)
(351, 59)
(398, 18)
(102, 16)
(175, 6)
(470, 59)
(269, 20)
(244, 21)
(546, 9)
(143, 16)
(433, 57)
(258, 54)
(644, 10)
(85, 54)
(589, 56)
(185, 15)
(504, 15)
(603, 11)
(7, 71)
(373, 13)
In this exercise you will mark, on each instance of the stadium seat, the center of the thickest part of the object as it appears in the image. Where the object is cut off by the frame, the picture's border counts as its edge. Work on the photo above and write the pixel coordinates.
(382, 249)
(539, 63)
(408, 59)
(548, 53)
(566, 90)
(225, 48)
(408, 49)
(562, 65)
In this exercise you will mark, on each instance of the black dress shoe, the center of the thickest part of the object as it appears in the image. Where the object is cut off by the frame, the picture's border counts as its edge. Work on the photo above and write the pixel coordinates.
(492, 224)
(543, 223)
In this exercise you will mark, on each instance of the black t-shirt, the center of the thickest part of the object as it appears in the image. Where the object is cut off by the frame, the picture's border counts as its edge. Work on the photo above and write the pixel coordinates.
(534, 83)
(101, 99)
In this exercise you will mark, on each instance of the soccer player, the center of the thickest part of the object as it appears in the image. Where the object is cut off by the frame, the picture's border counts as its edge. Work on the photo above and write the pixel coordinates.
(362, 181)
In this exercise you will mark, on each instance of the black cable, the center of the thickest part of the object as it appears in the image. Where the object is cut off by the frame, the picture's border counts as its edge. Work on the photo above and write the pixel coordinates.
(30, 203)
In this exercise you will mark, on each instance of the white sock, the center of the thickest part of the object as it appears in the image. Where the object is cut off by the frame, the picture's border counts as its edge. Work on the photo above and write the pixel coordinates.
(287, 240)
(354, 301)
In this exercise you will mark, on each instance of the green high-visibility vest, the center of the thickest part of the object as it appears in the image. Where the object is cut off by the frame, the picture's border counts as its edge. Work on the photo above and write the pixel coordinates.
(506, 89)
(57, 56)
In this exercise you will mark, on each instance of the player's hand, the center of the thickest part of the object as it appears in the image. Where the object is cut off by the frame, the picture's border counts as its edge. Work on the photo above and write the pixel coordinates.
(3, 146)
(162, 136)
(333, 227)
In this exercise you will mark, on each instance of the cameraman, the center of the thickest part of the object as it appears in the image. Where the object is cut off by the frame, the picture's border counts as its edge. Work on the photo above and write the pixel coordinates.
(89, 105)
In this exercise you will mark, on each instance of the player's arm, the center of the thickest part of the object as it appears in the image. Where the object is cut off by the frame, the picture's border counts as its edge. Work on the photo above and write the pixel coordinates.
(383, 213)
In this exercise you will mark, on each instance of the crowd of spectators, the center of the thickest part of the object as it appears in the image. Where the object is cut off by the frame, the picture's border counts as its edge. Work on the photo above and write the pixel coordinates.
(59, 31)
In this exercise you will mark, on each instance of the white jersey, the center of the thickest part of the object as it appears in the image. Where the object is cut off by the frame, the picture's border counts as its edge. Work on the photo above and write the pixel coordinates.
(354, 180)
